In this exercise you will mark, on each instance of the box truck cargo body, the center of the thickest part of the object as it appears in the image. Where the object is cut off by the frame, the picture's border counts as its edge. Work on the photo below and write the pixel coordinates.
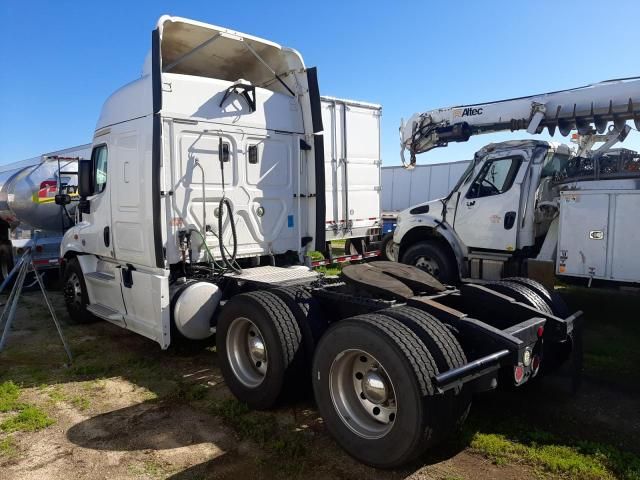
(352, 167)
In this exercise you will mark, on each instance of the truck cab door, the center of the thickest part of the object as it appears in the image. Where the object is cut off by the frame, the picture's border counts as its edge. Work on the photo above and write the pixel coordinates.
(486, 214)
(101, 271)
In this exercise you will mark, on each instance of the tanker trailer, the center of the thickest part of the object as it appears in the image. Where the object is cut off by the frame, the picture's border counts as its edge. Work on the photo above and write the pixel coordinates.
(27, 206)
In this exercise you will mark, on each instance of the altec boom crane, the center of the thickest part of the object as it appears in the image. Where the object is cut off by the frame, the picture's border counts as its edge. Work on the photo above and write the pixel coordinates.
(585, 109)
(531, 200)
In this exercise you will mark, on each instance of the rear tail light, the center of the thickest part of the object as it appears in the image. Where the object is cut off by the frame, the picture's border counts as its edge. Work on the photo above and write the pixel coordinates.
(518, 374)
(535, 365)
(540, 332)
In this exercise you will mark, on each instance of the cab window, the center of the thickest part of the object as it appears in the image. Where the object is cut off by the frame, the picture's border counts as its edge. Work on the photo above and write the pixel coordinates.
(99, 157)
(495, 177)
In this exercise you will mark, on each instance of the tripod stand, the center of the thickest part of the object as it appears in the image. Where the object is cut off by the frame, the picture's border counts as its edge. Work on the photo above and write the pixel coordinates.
(20, 270)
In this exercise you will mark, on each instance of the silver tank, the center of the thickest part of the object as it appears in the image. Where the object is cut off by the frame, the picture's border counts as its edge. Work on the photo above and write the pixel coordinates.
(27, 191)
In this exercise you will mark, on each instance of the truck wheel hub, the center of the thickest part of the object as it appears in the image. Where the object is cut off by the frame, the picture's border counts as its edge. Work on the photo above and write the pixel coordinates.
(256, 347)
(73, 289)
(428, 264)
(362, 394)
(247, 352)
(374, 387)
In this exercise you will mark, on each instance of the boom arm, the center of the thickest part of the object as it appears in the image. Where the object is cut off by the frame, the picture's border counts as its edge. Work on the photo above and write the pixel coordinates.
(599, 104)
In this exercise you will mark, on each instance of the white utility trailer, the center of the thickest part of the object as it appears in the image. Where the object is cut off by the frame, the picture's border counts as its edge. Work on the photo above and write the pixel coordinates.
(352, 173)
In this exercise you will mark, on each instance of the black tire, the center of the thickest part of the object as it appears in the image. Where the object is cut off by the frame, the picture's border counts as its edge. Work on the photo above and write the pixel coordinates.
(386, 248)
(6, 259)
(445, 268)
(75, 293)
(551, 298)
(521, 294)
(281, 336)
(447, 353)
(306, 311)
(410, 367)
(353, 246)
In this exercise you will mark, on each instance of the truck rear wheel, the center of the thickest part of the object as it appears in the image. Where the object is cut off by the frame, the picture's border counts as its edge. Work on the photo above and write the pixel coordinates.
(372, 383)
(520, 293)
(306, 311)
(75, 293)
(446, 351)
(551, 298)
(259, 347)
(433, 258)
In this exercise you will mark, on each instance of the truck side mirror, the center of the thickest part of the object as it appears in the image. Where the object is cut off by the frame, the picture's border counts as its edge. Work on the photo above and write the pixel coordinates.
(85, 184)
(85, 178)
(63, 199)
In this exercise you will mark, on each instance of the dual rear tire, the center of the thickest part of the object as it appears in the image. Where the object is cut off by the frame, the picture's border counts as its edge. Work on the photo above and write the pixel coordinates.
(373, 383)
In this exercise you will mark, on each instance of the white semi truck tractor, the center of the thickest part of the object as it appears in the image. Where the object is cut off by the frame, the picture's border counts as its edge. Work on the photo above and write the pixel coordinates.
(28, 210)
(531, 205)
(204, 195)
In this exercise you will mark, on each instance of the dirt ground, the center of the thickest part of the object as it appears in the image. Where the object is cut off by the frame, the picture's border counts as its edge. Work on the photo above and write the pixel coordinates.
(125, 409)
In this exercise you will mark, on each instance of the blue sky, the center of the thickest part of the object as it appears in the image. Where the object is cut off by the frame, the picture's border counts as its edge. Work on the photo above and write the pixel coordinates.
(61, 59)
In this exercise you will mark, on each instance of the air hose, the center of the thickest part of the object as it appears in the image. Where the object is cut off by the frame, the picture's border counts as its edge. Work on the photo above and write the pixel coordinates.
(229, 262)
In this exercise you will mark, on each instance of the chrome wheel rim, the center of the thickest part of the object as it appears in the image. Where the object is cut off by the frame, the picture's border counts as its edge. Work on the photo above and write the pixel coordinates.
(73, 290)
(429, 265)
(247, 352)
(363, 394)
(390, 251)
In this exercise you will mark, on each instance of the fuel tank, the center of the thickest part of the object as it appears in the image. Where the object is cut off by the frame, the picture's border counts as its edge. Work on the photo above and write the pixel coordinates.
(28, 188)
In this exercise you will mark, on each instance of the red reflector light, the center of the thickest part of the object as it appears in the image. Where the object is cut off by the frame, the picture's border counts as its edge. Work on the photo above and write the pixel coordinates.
(540, 332)
(518, 373)
(535, 364)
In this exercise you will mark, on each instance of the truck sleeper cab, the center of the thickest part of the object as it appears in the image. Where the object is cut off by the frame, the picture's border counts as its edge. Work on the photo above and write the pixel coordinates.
(204, 192)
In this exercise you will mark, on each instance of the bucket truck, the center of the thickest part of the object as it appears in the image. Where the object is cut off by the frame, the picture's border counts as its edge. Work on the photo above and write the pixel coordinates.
(197, 211)
(533, 204)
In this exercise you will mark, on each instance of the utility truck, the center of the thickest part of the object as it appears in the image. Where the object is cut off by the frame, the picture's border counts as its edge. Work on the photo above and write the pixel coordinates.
(203, 196)
(530, 204)
(27, 191)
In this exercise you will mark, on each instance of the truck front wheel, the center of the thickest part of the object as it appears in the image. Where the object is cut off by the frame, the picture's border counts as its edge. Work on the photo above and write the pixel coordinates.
(433, 258)
(75, 293)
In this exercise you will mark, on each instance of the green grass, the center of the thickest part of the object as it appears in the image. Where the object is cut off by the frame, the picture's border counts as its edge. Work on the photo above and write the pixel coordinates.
(8, 449)
(546, 452)
(611, 333)
(9, 394)
(30, 419)
(263, 429)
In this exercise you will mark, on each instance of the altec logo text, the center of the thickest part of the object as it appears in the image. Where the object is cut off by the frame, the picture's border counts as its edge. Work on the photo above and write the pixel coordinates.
(467, 112)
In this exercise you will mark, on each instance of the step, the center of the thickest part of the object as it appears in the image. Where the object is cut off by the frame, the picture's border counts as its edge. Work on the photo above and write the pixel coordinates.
(102, 276)
(105, 312)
